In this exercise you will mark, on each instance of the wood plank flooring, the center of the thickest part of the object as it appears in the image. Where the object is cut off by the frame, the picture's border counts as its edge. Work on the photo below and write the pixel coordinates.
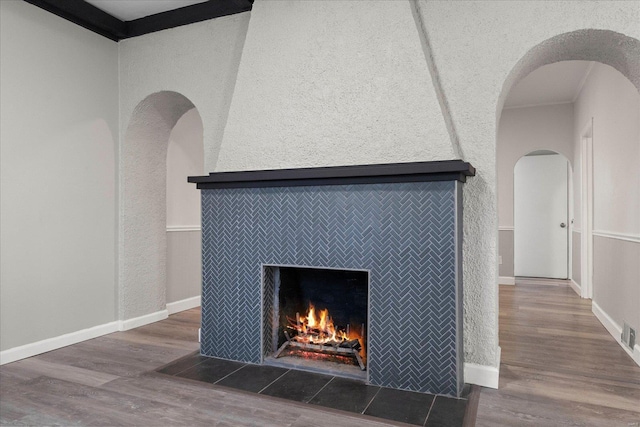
(109, 381)
(559, 365)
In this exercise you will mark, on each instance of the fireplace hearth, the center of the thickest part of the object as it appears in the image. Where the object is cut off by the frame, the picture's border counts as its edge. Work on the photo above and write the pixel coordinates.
(400, 225)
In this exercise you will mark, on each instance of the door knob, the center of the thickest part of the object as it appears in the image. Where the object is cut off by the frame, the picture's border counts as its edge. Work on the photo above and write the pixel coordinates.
(563, 225)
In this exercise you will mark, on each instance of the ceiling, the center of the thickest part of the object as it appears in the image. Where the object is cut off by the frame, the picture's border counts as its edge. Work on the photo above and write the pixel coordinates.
(128, 10)
(122, 19)
(556, 83)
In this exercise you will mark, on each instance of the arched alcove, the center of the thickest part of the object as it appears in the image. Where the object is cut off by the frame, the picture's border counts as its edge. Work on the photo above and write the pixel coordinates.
(143, 241)
(185, 156)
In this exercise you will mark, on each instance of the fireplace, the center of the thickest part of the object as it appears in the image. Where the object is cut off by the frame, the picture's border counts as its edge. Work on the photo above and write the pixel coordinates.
(401, 224)
(316, 319)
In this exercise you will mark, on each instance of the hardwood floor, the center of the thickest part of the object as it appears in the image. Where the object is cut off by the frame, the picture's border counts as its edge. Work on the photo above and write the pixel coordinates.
(109, 381)
(559, 365)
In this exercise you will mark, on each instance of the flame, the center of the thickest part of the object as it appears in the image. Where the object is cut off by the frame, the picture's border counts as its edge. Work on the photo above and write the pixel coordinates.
(317, 327)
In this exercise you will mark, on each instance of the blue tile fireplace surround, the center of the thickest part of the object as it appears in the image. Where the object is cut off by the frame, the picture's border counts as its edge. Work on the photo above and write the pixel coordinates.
(400, 222)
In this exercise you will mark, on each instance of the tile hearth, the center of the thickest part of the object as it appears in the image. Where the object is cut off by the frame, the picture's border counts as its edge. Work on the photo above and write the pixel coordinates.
(323, 390)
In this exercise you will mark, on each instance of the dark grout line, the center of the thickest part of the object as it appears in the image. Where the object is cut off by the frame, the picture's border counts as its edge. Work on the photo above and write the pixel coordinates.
(193, 366)
(328, 382)
(307, 401)
(242, 367)
(372, 399)
(433, 402)
(267, 386)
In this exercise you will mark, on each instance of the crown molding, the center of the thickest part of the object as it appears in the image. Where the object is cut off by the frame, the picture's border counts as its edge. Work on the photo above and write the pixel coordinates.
(93, 19)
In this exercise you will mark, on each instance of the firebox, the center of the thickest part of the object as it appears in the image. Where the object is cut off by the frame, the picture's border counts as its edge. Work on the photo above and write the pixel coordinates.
(316, 319)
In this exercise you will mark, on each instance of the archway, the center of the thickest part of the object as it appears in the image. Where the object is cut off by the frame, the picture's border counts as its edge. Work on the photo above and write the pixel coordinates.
(608, 47)
(618, 57)
(143, 241)
(185, 156)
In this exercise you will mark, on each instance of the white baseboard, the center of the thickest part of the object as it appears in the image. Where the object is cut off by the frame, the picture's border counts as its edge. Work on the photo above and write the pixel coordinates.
(49, 344)
(136, 322)
(174, 228)
(615, 330)
(505, 280)
(576, 288)
(182, 305)
(482, 375)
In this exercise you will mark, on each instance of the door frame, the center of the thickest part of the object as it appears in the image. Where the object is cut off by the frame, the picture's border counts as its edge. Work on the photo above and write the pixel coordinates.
(586, 210)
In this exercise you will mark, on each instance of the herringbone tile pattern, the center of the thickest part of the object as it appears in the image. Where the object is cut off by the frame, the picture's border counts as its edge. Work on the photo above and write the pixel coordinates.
(268, 298)
(404, 233)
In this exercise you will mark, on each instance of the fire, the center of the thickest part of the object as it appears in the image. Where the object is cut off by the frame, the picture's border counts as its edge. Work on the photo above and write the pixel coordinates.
(318, 328)
(317, 333)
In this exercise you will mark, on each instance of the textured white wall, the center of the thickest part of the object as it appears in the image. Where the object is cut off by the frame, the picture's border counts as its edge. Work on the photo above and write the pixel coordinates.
(59, 103)
(614, 104)
(199, 61)
(185, 157)
(521, 131)
(481, 49)
(163, 75)
(332, 83)
(143, 209)
(478, 50)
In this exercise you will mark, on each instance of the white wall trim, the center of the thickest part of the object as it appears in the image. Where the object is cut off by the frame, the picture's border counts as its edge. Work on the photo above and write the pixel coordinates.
(542, 104)
(506, 228)
(125, 325)
(576, 230)
(49, 344)
(172, 228)
(182, 305)
(505, 280)
(576, 287)
(635, 238)
(482, 375)
(615, 330)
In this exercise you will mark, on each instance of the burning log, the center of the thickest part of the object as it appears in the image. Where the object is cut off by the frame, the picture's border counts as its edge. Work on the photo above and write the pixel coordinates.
(355, 344)
(322, 349)
(319, 334)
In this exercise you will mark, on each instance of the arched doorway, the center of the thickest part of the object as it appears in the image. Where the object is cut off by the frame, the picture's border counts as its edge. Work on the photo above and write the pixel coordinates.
(548, 332)
(143, 240)
(606, 49)
(604, 142)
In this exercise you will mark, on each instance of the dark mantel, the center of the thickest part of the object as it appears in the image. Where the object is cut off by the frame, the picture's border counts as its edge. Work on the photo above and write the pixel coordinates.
(447, 170)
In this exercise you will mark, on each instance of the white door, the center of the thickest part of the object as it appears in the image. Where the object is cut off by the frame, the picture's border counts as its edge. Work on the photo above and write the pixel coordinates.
(541, 216)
